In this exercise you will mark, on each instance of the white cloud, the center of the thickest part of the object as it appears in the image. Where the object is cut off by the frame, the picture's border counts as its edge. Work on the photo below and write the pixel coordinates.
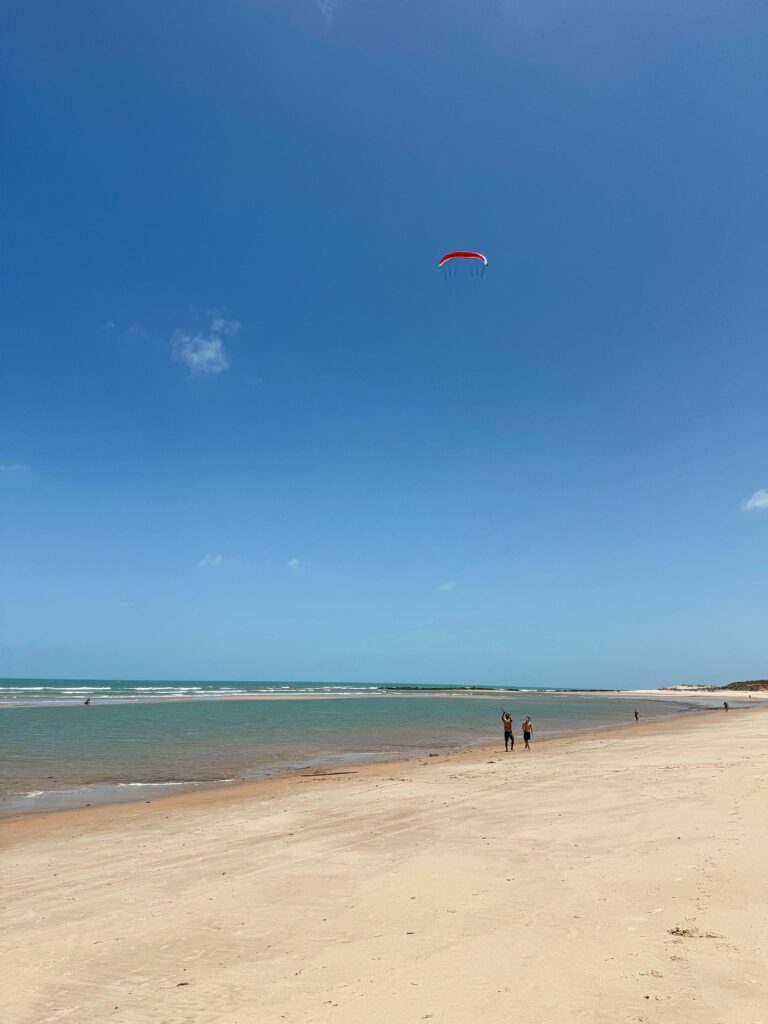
(204, 352)
(220, 325)
(201, 353)
(217, 562)
(297, 566)
(758, 502)
(108, 326)
(13, 467)
(328, 8)
(447, 587)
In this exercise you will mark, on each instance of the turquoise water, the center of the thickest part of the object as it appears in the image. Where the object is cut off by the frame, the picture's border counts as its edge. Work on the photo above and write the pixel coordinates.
(140, 739)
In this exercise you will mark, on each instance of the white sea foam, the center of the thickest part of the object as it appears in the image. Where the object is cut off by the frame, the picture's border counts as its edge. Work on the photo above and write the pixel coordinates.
(185, 782)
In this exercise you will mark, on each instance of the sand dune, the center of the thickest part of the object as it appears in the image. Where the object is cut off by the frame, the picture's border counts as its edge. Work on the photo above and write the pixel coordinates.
(613, 877)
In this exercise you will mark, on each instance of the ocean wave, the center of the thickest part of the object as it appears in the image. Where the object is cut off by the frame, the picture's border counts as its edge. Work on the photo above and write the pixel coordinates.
(67, 693)
(50, 689)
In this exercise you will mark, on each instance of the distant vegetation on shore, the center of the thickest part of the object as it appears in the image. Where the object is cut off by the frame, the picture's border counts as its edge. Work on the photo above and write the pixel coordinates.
(749, 684)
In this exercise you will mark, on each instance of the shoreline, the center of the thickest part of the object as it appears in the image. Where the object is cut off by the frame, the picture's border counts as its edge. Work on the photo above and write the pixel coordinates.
(238, 789)
(124, 790)
(423, 890)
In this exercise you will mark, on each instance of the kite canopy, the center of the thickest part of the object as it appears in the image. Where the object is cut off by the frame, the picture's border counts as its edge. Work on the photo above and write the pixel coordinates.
(463, 254)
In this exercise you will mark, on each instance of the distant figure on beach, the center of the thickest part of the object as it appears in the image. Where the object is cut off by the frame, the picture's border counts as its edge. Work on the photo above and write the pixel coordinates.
(725, 704)
(87, 701)
(637, 715)
(527, 730)
(509, 736)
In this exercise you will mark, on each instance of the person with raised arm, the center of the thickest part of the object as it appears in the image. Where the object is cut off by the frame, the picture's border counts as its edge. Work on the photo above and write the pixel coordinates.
(509, 736)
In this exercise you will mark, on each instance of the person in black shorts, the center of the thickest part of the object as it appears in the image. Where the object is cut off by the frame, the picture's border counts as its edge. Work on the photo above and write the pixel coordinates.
(527, 730)
(509, 736)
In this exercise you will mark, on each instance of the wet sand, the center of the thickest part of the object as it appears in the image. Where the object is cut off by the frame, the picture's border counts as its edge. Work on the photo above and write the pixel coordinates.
(613, 876)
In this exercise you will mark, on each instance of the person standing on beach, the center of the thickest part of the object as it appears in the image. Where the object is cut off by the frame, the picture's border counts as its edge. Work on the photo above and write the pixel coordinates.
(725, 704)
(509, 736)
(527, 730)
(637, 715)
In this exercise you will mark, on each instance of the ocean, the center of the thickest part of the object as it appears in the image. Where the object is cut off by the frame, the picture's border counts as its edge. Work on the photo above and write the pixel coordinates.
(138, 739)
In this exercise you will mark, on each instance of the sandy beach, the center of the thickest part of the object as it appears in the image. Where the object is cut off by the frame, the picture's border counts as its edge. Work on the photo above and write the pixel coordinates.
(615, 876)
(683, 692)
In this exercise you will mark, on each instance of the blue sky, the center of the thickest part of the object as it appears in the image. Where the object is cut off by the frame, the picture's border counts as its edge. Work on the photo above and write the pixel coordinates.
(246, 431)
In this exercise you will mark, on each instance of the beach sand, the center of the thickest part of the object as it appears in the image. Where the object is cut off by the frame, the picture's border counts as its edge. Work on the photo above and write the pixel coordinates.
(607, 877)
